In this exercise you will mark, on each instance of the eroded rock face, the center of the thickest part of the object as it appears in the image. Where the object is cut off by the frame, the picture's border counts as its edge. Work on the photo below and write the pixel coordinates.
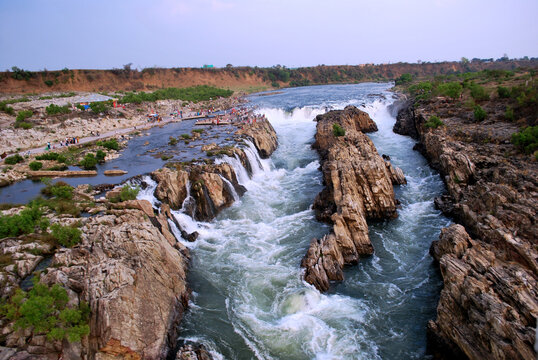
(358, 186)
(193, 352)
(130, 270)
(489, 304)
(133, 279)
(172, 186)
(263, 136)
(488, 307)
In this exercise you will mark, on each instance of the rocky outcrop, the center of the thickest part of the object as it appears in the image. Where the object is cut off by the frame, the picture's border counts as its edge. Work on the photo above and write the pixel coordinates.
(193, 352)
(263, 136)
(488, 306)
(212, 188)
(405, 123)
(172, 186)
(132, 276)
(358, 186)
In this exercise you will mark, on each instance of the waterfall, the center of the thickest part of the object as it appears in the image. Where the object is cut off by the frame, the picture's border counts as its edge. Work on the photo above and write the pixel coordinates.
(189, 204)
(230, 188)
(262, 164)
(242, 175)
(147, 193)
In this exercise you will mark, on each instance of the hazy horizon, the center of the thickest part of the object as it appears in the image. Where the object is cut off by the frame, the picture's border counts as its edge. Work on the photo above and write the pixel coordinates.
(185, 33)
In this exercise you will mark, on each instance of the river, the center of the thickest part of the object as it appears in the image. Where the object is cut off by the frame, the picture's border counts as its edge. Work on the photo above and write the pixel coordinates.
(249, 300)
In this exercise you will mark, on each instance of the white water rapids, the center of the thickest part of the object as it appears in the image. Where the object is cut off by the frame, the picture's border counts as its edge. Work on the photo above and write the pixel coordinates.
(249, 299)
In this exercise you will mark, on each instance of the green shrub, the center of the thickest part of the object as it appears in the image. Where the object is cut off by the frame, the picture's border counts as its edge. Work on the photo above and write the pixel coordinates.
(99, 107)
(526, 140)
(199, 131)
(478, 93)
(65, 235)
(195, 94)
(20, 74)
(53, 109)
(60, 190)
(338, 130)
(275, 84)
(14, 159)
(100, 155)
(434, 122)
(451, 89)
(503, 92)
(23, 125)
(48, 156)
(479, 113)
(23, 115)
(61, 159)
(111, 144)
(7, 109)
(422, 90)
(44, 309)
(89, 162)
(172, 141)
(23, 223)
(185, 136)
(166, 157)
(58, 168)
(404, 79)
(35, 165)
(509, 114)
(49, 83)
(128, 193)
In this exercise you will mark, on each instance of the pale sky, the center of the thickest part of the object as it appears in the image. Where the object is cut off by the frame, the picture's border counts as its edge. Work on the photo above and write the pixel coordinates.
(99, 34)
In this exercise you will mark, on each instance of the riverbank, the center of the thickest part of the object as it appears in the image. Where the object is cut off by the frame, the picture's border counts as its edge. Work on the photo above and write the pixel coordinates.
(85, 130)
(488, 306)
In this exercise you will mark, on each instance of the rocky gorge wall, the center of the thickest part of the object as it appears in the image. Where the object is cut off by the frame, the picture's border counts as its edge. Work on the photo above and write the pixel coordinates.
(358, 187)
(489, 259)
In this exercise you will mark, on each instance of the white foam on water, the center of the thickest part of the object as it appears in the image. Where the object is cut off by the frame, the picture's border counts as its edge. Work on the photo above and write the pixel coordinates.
(242, 174)
(147, 193)
(230, 188)
(249, 257)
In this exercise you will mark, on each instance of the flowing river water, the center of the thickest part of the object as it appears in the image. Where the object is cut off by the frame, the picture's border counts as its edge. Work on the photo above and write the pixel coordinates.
(249, 300)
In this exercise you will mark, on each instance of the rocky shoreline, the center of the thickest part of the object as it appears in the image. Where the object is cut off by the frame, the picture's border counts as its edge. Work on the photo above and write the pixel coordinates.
(128, 266)
(358, 187)
(489, 259)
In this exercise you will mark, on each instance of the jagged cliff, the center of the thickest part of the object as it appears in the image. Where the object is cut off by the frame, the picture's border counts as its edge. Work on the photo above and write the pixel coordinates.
(358, 186)
(489, 304)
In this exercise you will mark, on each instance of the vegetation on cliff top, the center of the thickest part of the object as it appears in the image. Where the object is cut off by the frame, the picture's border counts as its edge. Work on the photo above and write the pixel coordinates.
(194, 94)
(491, 95)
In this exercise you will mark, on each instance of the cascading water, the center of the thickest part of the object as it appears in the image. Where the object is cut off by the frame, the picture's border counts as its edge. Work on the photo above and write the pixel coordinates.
(146, 192)
(240, 171)
(249, 300)
(230, 188)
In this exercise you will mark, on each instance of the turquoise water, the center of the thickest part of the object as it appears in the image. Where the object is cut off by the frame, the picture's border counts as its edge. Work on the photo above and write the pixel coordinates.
(249, 300)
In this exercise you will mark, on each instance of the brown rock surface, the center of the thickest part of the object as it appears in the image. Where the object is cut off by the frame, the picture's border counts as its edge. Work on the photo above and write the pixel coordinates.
(133, 279)
(358, 186)
(489, 304)
(172, 186)
(263, 136)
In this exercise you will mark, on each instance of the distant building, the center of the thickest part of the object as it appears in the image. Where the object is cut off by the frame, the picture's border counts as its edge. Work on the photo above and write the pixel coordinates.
(207, 67)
